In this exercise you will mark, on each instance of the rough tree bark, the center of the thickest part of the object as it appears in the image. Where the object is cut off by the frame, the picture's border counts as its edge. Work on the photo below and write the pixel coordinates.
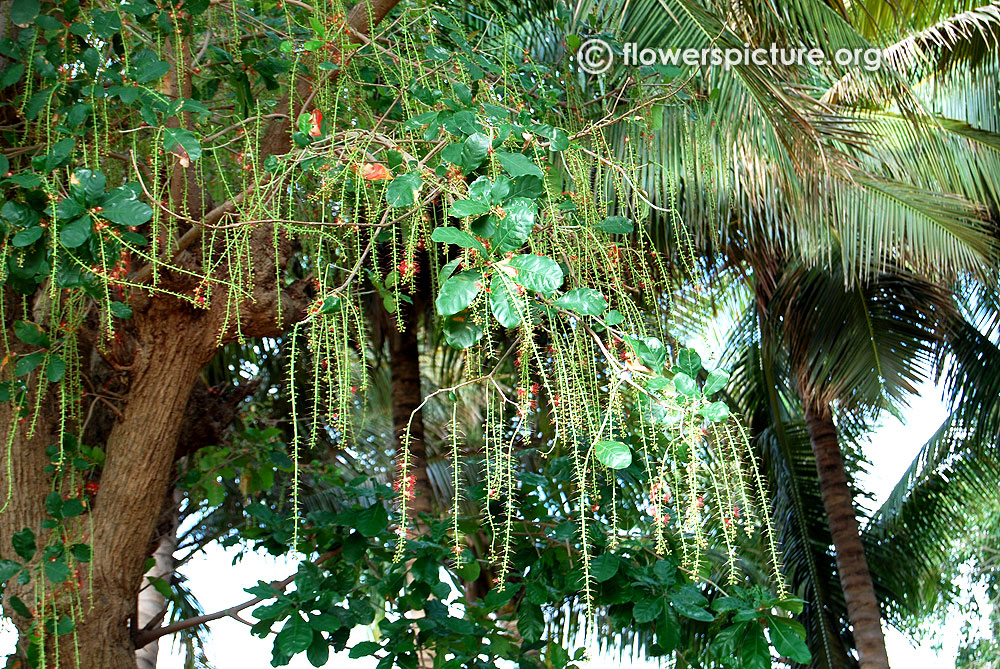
(852, 565)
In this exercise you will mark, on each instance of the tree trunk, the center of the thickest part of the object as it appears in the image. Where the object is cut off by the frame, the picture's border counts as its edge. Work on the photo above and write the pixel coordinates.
(852, 566)
(137, 472)
(404, 356)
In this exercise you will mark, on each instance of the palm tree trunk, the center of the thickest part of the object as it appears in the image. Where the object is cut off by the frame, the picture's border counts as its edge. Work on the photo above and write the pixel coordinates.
(404, 356)
(852, 566)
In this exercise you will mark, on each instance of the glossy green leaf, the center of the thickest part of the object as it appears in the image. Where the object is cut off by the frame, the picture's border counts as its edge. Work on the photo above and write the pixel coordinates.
(538, 273)
(604, 566)
(613, 454)
(295, 636)
(788, 637)
(689, 362)
(584, 301)
(755, 652)
(461, 332)
(715, 412)
(182, 143)
(458, 237)
(514, 227)
(474, 151)
(459, 291)
(716, 381)
(87, 185)
(686, 385)
(518, 164)
(506, 305)
(404, 189)
(76, 233)
(464, 208)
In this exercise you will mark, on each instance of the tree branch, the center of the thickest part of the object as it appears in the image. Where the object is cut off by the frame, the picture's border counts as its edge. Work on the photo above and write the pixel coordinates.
(146, 636)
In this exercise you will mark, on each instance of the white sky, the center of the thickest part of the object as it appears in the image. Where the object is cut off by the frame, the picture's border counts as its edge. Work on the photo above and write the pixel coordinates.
(219, 584)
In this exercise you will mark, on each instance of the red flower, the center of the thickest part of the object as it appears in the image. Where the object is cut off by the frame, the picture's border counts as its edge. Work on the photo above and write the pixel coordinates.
(374, 172)
(317, 119)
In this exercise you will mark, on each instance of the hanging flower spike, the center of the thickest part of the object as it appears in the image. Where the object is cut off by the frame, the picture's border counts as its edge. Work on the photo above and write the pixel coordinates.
(317, 119)
(374, 172)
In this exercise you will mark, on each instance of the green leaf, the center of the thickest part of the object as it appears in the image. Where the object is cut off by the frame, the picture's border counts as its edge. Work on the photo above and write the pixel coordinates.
(69, 208)
(474, 151)
(584, 301)
(506, 306)
(756, 653)
(53, 504)
(24, 543)
(519, 165)
(76, 233)
(363, 649)
(613, 454)
(318, 652)
(449, 269)
(28, 236)
(604, 566)
(458, 238)
(65, 625)
(57, 571)
(26, 363)
(462, 92)
(685, 385)
(515, 226)
(403, 190)
(463, 208)
(81, 552)
(616, 225)
(123, 207)
(727, 642)
(650, 350)
(72, 507)
(372, 521)
(23, 12)
(459, 291)
(647, 609)
(530, 623)
(437, 53)
(715, 412)
(295, 636)
(56, 369)
(181, 143)
(87, 185)
(8, 568)
(613, 317)
(121, 310)
(689, 602)
(689, 361)
(461, 332)
(31, 334)
(538, 273)
(717, 380)
(788, 637)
